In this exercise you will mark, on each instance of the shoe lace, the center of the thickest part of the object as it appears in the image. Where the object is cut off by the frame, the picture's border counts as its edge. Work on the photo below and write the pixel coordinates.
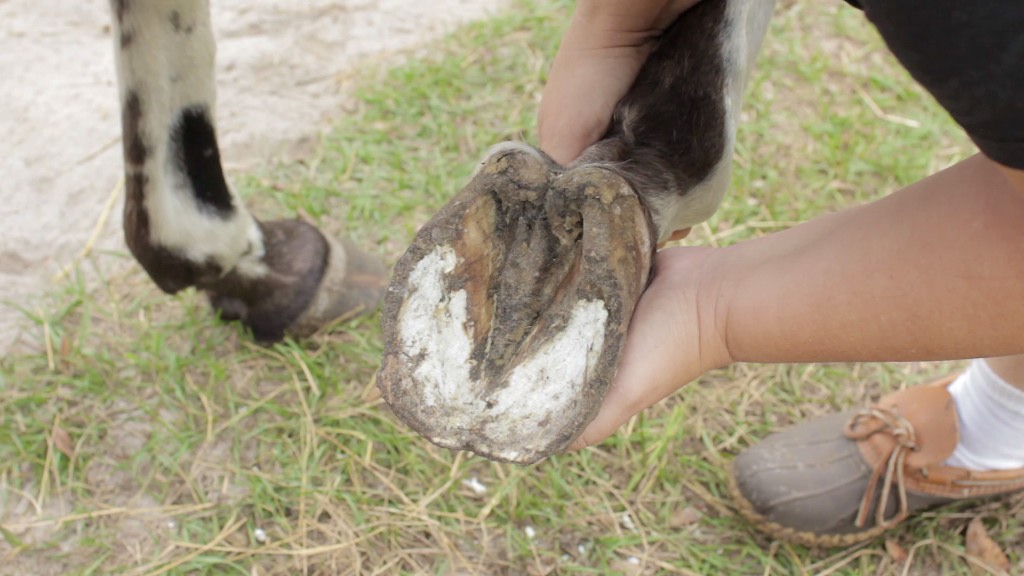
(884, 420)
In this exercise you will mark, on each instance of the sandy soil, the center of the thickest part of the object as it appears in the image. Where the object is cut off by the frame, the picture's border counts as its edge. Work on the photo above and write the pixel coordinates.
(282, 77)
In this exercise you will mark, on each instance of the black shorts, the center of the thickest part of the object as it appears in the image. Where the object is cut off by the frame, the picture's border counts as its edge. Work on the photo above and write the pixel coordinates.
(970, 55)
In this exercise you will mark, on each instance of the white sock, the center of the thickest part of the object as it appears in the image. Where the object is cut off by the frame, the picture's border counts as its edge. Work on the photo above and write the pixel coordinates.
(991, 417)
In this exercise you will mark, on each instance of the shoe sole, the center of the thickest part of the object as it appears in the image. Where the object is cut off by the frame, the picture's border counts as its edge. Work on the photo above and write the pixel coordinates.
(784, 533)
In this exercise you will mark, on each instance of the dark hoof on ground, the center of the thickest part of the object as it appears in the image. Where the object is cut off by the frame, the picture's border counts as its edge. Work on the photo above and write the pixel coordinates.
(505, 319)
(309, 281)
(353, 285)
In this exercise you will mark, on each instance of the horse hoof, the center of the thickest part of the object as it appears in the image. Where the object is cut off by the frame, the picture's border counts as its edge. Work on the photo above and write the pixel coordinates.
(308, 281)
(505, 319)
(353, 284)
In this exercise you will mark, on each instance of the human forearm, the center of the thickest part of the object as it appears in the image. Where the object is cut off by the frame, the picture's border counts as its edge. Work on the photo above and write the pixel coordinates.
(893, 280)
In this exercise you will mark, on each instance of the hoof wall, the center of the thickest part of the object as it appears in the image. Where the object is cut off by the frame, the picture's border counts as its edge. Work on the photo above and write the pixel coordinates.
(353, 284)
(310, 281)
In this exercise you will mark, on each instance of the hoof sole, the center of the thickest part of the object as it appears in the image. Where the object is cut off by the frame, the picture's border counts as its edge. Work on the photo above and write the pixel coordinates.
(505, 319)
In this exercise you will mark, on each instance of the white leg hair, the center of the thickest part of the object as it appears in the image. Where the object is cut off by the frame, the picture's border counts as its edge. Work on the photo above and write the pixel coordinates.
(165, 61)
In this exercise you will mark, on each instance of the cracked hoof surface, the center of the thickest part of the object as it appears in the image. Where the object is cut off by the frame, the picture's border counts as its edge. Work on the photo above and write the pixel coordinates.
(505, 319)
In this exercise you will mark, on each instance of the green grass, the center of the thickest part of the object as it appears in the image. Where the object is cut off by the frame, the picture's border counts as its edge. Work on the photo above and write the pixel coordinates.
(188, 441)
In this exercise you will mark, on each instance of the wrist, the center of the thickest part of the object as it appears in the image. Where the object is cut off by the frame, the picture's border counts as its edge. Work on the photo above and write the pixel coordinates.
(699, 277)
(738, 280)
(715, 297)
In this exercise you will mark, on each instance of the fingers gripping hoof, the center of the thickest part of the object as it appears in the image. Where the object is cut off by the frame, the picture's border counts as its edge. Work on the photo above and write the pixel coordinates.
(505, 319)
(309, 280)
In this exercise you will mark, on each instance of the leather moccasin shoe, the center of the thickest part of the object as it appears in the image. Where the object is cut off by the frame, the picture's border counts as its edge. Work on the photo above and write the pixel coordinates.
(844, 478)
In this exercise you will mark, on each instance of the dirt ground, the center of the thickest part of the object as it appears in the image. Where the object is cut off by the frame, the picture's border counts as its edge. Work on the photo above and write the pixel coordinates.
(283, 75)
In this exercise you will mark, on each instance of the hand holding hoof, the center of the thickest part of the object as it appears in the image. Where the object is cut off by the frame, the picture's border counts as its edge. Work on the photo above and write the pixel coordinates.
(506, 317)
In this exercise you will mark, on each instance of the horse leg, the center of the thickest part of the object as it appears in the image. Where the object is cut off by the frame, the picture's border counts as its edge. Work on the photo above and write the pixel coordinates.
(183, 222)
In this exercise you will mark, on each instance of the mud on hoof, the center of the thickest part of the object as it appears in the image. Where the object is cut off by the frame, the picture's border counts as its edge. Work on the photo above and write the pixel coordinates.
(505, 319)
(310, 280)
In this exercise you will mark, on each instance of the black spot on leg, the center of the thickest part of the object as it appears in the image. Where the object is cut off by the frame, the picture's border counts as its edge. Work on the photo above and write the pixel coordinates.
(127, 37)
(120, 7)
(135, 151)
(135, 189)
(194, 144)
(178, 24)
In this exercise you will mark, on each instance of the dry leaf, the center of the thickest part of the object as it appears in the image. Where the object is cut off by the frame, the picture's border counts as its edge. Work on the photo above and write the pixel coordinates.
(62, 441)
(982, 547)
(896, 552)
(371, 395)
(66, 349)
(685, 517)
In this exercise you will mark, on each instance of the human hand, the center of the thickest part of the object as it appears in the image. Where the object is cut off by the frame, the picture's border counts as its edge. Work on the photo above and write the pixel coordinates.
(600, 56)
(675, 336)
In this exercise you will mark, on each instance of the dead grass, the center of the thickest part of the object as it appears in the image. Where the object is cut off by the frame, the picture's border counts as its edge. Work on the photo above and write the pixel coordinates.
(143, 437)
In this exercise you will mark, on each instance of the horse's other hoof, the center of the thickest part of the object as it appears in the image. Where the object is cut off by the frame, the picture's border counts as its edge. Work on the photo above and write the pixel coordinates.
(353, 284)
(505, 319)
(307, 280)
